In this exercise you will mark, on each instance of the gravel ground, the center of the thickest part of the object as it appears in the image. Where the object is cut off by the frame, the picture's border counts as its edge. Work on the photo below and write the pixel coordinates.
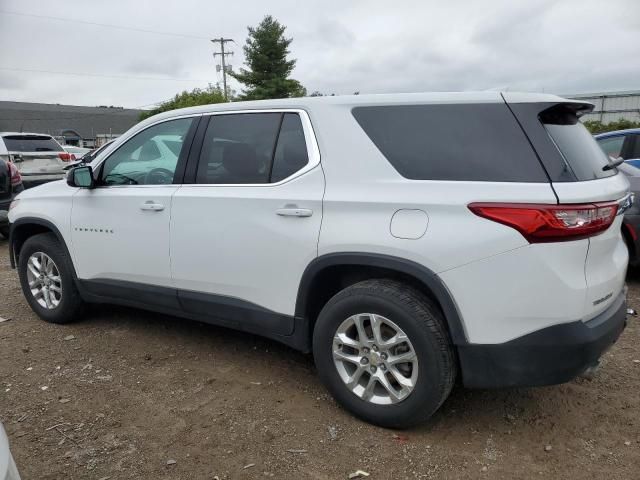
(128, 394)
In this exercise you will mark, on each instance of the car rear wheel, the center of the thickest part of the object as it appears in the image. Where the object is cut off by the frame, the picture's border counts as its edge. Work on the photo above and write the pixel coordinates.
(46, 277)
(4, 231)
(382, 349)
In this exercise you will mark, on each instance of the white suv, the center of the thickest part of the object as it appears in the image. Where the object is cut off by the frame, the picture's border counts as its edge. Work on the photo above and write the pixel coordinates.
(406, 240)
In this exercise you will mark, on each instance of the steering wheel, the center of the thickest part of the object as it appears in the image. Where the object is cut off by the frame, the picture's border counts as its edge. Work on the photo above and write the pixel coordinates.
(159, 176)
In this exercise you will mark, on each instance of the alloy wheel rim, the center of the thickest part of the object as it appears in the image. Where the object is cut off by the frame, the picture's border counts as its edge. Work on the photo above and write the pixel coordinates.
(45, 282)
(375, 359)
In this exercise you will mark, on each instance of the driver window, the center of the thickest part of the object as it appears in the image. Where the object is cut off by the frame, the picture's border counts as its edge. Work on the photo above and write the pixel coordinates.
(149, 158)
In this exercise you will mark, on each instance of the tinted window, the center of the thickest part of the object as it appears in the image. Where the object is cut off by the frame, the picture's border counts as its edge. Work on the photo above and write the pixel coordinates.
(31, 143)
(479, 142)
(291, 152)
(238, 148)
(579, 149)
(612, 146)
(634, 147)
(251, 148)
(149, 158)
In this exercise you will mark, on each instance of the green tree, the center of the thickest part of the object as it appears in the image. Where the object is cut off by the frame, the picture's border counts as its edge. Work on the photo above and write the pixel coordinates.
(197, 96)
(268, 70)
(596, 126)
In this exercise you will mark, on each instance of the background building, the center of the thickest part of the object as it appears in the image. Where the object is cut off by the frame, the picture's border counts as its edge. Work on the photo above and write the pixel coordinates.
(612, 106)
(70, 124)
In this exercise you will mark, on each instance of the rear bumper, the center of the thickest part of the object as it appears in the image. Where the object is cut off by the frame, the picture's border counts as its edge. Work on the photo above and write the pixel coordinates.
(549, 356)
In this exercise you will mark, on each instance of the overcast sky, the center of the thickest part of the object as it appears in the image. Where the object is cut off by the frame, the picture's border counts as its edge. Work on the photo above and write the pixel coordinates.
(559, 46)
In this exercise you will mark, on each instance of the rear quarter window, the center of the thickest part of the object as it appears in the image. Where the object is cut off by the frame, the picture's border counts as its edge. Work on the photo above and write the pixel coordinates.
(577, 146)
(466, 142)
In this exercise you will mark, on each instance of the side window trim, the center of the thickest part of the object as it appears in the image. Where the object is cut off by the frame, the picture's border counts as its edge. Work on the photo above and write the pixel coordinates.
(191, 168)
(182, 159)
(313, 150)
(275, 148)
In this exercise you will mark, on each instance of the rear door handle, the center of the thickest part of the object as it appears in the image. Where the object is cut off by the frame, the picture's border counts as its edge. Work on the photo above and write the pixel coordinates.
(294, 212)
(152, 206)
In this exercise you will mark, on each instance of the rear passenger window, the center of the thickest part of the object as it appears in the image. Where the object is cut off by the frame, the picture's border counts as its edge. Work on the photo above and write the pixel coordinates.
(478, 142)
(251, 148)
(238, 148)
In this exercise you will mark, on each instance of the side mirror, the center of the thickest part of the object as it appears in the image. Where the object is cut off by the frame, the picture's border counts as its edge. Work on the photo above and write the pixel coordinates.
(81, 177)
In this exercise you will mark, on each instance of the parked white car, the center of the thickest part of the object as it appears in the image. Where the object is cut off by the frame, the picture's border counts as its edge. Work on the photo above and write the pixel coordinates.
(406, 240)
(77, 152)
(8, 470)
(39, 158)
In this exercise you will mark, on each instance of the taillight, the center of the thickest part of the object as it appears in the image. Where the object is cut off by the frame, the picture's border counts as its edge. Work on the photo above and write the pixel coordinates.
(65, 156)
(550, 223)
(16, 179)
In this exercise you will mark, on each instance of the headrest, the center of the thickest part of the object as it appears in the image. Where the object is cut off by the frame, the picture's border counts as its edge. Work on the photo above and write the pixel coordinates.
(240, 159)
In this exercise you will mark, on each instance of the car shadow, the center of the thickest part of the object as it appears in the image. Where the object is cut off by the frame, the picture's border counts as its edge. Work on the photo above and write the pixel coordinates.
(189, 332)
(478, 406)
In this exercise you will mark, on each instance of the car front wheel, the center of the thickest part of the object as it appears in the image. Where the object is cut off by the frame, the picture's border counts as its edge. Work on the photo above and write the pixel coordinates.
(46, 277)
(383, 351)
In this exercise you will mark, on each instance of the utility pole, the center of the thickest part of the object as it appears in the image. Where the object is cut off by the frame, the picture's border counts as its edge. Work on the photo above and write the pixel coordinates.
(223, 54)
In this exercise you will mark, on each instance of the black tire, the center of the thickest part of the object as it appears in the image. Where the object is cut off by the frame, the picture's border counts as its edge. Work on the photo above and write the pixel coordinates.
(71, 305)
(421, 321)
(4, 231)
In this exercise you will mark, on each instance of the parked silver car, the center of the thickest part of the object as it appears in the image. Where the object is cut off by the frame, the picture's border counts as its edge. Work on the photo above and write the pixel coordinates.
(77, 152)
(39, 157)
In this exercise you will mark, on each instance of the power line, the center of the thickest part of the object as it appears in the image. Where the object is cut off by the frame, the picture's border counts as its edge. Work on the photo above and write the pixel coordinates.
(106, 25)
(78, 74)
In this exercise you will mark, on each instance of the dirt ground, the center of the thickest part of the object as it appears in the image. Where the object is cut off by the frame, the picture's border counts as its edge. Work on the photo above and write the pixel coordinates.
(128, 394)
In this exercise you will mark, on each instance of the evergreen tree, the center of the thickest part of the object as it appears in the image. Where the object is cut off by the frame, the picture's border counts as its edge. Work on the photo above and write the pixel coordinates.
(266, 53)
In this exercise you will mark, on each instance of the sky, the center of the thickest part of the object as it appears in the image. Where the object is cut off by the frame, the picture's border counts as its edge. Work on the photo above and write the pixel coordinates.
(341, 47)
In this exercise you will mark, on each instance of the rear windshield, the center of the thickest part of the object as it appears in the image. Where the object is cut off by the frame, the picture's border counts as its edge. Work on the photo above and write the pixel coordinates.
(579, 149)
(31, 143)
(473, 142)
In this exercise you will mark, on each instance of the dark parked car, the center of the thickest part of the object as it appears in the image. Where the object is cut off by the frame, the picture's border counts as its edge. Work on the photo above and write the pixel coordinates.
(10, 186)
(631, 221)
(623, 144)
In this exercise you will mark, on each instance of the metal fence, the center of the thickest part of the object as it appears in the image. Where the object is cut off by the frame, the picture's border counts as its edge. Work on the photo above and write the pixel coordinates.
(612, 106)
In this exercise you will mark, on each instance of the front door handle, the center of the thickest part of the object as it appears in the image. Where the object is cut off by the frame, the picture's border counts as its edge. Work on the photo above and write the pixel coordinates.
(294, 212)
(152, 206)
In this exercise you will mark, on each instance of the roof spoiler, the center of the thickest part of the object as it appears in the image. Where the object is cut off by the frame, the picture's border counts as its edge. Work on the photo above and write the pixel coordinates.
(565, 113)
